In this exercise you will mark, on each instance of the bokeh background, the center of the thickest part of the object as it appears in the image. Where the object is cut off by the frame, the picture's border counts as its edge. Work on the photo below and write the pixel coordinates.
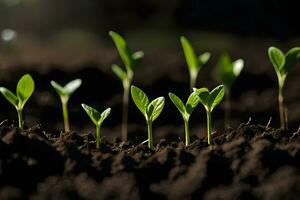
(66, 39)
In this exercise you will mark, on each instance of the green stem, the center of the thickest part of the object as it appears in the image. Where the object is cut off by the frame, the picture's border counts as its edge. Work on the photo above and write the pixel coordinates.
(193, 78)
(150, 136)
(187, 132)
(65, 114)
(209, 139)
(20, 118)
(98, 136)
(124, 126)
(282, 112)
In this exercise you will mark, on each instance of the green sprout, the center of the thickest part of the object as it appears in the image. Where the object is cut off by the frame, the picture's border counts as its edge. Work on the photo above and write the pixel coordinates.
(64, 93)
(25, 88)
(210, 100)
(130, 61)
(226, 72)
(97, 118)
(151, 110)
(186, 111)
(283, 63)
(194, 63)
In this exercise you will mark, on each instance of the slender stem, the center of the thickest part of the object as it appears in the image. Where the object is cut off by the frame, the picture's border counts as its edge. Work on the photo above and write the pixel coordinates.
(124, 125)
(20, 118)
(98, 136)
(187, 132)
(227, 107)
(193, 78)
(209, 139)
(65, 114)
(150, 136)
(282, 112)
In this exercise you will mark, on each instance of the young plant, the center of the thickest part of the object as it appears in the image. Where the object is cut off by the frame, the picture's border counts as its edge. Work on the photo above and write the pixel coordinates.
(194, 62)
(186, 110)
(210, 100)
(150, 110)
(25, 88)
(226, 72)
(283, 63)
(131, 62)
(97, 118)
(64, 93)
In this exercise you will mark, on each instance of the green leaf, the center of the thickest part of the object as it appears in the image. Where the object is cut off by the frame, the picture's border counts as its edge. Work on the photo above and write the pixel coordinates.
(203, 59)
(192, 102)
(189, 54)
(96, 117)
(291, 59)
(238, 66)
(140, 99)
(11, 97)
(203, 94)
(136, 59)
(216, 96)
(25, 89)
(155, 108)
(119, 72)
(178, 103)
(277, 58)
(72, 86)
(58, 88)
(123, 49)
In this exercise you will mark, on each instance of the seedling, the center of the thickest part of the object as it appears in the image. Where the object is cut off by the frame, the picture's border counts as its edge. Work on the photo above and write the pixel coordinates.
(283, 63)
(64, 93)
(97, 118)
(25, 88)
(130, 61)
(226, 72)
(194, 63)
(150, 110)
(210, 100)
(185, 111)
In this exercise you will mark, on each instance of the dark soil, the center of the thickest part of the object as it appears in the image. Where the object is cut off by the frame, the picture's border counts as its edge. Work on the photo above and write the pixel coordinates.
(250, 162)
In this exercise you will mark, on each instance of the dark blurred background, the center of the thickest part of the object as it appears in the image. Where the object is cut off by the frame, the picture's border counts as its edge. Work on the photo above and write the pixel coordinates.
(64, 39)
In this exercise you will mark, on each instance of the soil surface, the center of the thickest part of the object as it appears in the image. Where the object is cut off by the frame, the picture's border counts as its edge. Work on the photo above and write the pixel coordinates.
(250, 162)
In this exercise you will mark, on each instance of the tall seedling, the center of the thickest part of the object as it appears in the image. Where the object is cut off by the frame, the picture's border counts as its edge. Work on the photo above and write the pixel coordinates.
(194, 62)
(150, 110)
(210, 100)
(185, 111)
(227, 72)
(25, 88)
(130, 61)
(283, 63)
(65, 93)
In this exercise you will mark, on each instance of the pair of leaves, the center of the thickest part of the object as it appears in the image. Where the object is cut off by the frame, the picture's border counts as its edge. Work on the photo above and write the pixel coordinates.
(283, 63)
(130, 60)
(228, 71)
(194, 63)
(66, 91)
(96, 117)
(151, 110)
(210, 99)
(187, 108)
(24, 90)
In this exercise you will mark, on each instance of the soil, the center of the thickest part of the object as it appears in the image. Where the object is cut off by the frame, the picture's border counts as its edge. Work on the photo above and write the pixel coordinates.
(247, 162)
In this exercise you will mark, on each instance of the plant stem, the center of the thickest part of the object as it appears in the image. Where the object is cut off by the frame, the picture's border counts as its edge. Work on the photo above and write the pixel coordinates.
(124, 125)
(65, 114)
(209, 139)
(187, 132)
(282, 112)
(20, 118)
(150, 136)
(227, 107)
(193, 78)
(98, 136)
